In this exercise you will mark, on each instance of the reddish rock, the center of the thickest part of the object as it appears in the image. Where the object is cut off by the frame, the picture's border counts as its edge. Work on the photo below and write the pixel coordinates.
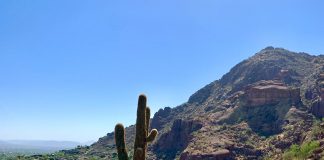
(270, 92)
(222, 154)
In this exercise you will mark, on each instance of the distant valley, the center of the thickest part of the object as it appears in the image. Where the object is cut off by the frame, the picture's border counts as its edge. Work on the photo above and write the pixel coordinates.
(36, 146)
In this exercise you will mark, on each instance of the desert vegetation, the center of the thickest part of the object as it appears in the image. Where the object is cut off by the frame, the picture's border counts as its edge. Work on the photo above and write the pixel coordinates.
(142, 137)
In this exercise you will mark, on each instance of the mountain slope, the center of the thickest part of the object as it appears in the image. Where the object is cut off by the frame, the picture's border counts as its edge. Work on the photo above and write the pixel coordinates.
(264, 105)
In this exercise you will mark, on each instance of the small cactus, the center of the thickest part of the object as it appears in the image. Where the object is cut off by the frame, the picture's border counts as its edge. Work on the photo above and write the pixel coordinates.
(142, 136)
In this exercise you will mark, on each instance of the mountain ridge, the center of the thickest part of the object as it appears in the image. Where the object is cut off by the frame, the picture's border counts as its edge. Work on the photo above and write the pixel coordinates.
(226, 120)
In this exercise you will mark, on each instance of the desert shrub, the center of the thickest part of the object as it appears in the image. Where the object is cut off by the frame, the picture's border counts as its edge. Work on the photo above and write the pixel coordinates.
(317, 130)
(297, 152)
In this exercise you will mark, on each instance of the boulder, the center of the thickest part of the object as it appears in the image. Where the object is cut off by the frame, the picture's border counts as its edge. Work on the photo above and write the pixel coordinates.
(221, 154)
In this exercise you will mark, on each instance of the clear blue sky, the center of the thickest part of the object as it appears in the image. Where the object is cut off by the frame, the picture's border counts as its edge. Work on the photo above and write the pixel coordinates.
(72, 69)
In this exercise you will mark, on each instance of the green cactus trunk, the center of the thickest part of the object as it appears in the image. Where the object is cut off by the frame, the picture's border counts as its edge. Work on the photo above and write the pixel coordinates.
(120, 142)
(142, 136)
(141, 130)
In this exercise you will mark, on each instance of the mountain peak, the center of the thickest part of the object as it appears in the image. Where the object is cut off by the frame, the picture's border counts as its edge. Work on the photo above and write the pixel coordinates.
(271, 48)
(268, 64)
(268, 48)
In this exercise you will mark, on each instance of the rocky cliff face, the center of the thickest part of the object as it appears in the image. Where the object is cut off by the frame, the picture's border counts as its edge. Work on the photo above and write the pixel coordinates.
(161, 117)
(270, 92)
(263, 105)
(317, 107)
(259, 109)
(177, 138)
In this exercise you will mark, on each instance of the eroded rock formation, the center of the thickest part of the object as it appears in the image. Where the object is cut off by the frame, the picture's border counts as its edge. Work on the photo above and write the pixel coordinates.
(270, 92)
(160, 118)
(222, 154)
(177, 138)
(317, 107)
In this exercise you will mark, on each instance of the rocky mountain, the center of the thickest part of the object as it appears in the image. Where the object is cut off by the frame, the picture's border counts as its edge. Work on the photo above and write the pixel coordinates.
(269, 106)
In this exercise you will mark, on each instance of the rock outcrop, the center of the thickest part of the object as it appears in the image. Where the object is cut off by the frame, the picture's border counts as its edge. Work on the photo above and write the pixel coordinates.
(177, 138)
(317, 107)
(270, 92)
(160, 118)
(222, 154)
(263, 105)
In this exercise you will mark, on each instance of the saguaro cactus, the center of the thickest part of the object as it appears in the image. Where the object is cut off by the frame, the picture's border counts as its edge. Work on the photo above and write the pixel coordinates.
(142, 135)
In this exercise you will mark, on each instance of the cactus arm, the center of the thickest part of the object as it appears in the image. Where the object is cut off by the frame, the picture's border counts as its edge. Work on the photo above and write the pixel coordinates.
(120, 142)
(152, 135)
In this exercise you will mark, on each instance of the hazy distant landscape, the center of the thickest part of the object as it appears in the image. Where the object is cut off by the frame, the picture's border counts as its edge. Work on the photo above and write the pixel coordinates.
(29, 147)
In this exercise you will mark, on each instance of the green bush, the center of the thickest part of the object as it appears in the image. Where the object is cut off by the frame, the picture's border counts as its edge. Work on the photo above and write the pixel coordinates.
(297, 152)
